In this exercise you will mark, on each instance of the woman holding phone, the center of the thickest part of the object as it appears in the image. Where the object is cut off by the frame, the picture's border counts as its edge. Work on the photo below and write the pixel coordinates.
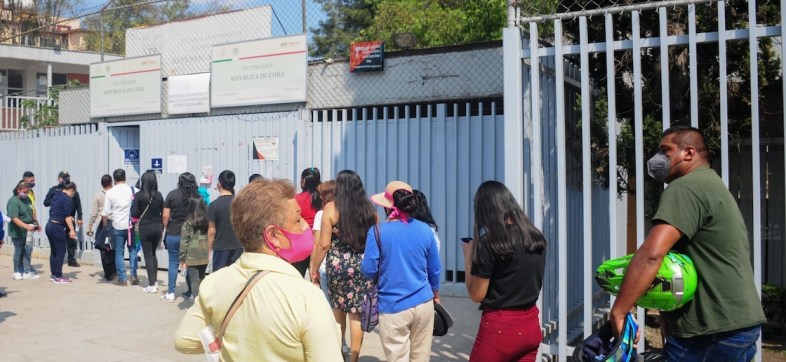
(505, 261)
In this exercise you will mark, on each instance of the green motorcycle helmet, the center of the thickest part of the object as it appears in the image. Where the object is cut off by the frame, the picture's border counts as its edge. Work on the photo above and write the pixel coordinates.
(672, 288)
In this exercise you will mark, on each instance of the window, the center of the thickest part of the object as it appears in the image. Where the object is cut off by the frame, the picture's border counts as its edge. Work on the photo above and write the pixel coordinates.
(10, 82)
(57, 79)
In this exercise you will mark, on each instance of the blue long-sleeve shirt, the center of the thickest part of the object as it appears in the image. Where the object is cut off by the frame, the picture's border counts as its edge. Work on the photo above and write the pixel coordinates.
(410, 264)
(61, 208)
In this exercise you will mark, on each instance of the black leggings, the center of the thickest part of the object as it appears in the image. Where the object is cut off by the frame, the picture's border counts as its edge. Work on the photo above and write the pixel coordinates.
(57, 235)
(150, 236)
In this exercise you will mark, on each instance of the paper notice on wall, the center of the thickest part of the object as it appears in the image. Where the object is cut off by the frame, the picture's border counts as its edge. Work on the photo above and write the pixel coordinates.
(177, 163)
(266, 148)
(207, 175)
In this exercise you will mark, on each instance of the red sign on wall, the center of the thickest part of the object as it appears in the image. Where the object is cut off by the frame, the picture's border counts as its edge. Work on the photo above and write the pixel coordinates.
(366, 56)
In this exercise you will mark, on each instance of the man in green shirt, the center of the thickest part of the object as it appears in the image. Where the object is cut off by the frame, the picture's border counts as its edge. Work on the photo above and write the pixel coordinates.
(698, 217)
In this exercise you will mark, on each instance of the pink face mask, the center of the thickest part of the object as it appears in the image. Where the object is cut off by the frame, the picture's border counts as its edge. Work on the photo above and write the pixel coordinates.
(301, 245)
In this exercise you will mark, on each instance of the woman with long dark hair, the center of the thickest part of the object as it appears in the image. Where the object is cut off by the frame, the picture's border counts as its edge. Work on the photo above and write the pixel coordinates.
(193, 244)
(147, 209)
(505, 261)
(174, 215)
(309, 202)
(405, 262)
(345, 223)
(423, 213)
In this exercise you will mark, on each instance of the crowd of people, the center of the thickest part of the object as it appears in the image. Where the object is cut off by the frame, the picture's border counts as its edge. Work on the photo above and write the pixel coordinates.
(291, 270)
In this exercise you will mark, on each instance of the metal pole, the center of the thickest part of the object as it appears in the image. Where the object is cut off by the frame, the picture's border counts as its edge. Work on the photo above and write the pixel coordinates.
(511, 13)
(303, 10)
(102, 34)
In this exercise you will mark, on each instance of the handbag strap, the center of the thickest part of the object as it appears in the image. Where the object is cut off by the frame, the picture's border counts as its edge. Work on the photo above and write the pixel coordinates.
(379, 247)
(144, 212)
(239, 300)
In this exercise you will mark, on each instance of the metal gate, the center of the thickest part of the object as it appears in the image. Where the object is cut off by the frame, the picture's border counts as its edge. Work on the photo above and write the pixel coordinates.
(547, 183)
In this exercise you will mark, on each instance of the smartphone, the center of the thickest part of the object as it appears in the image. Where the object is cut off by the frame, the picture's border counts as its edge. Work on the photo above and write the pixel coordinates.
(466, 240)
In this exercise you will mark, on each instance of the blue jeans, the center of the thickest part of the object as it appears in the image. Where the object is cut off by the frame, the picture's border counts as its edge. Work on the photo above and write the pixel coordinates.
(120, 238)
(173, 250)
(737, 345)
(22, 253)
(224, 258)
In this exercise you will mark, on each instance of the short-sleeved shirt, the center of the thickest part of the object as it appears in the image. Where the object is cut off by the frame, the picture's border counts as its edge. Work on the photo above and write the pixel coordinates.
(61, 208)
(716, 239)
(21, 209)
(218, 212)
(178, 211)
(514, 280)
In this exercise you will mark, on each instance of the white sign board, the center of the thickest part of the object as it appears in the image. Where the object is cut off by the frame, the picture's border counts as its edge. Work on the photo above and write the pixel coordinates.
(266, 148)
(188, 93)
(263, 71)
(125, 87)
(185, 45)
(176, 164)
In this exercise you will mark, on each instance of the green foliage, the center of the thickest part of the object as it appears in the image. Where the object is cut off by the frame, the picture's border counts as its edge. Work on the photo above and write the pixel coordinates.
(433, 22)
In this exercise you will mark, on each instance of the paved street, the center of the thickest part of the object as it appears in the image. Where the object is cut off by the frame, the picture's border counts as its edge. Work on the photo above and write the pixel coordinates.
(90, 320)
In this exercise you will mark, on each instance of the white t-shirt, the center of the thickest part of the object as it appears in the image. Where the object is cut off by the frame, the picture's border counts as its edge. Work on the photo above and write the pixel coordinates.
(317, 226)
(117, 205)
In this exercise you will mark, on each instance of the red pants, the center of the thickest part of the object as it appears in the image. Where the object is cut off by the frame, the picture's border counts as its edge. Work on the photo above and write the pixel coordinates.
(507, 335)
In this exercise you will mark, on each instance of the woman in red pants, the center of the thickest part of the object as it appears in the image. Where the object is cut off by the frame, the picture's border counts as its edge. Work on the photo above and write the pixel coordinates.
(505, 263)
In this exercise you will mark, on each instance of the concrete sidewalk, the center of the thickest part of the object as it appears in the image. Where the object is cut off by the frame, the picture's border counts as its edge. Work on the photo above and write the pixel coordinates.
(91, 320)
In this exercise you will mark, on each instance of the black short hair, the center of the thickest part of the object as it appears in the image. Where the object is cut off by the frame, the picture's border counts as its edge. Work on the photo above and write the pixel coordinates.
(106, 181)
(227, 180)
(685, 136)
(28, 174)
(255, 177)
(119, 175)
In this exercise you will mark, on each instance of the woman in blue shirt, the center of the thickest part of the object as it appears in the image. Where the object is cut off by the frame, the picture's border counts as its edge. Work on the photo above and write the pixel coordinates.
(59, 228)
(408, 268)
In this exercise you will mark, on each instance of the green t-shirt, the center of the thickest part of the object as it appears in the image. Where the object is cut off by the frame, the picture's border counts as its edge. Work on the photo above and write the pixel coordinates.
(702, 208)
(23, 210)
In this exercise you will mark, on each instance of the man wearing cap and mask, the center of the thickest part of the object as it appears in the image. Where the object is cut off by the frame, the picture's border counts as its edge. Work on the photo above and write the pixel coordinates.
(698, 217)
(76, 212)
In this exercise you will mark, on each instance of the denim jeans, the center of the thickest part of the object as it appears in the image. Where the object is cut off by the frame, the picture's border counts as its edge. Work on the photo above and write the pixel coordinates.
(119, 237)
(133, 257)
(737, 345)
(173, 250)
(22, 253)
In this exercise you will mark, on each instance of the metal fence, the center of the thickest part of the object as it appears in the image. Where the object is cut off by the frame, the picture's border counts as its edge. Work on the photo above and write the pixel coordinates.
(645, 66)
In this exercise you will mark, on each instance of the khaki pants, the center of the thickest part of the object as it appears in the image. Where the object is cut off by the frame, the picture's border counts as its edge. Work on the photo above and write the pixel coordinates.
(406, 335)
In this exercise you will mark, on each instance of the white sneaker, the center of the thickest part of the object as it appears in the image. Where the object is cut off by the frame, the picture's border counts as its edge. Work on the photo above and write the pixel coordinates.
(30, 276)
(168, 297)
(150, 289)
(17, 276)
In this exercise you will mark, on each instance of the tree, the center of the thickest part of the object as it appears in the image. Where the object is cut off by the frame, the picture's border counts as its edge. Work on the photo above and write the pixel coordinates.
(344, 21)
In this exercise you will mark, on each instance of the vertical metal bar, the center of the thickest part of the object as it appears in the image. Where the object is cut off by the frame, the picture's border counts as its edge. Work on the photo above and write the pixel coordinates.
(514, 115)
(753, 48)
(535, 127)
(512, 13)
(638, 129)
(303, 13)
(562, 194)
(724, 107)
(611, 93)
(586, 171)
(783, 69)
(664, 68)
(694, 70)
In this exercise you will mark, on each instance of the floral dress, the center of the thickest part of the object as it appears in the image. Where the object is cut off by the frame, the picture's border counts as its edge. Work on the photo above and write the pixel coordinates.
(347, 286)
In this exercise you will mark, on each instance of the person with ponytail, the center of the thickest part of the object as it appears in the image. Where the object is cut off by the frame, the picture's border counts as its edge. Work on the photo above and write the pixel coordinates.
(310, 203)
(504, 273)
(342, 239)
(407, 266)
(221, 238)
(147, 208)
(174, 216)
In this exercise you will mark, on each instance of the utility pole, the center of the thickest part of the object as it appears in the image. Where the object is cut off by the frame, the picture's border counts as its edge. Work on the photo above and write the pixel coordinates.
(303, 11)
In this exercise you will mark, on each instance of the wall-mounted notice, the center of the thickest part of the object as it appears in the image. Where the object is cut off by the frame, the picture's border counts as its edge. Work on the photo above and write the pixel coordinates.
(125, 87)
(188, 93)
(176, 164)
(256, 72)
(266, 148)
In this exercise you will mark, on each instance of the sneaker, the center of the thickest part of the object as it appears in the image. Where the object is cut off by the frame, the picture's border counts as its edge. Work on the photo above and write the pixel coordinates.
(62, 280)
(30, 276)
(150, 289)
(17, 276)
(73, 264)
(186, 294)
(121, 283)
(134, 281)
(168, 297)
